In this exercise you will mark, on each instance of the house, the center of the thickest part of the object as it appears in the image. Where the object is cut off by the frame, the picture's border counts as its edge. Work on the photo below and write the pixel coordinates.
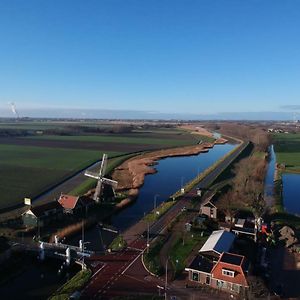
(200, 270)
(229, 273)
(208, 208)
(72, 204)
(218, 242)
(42, 214)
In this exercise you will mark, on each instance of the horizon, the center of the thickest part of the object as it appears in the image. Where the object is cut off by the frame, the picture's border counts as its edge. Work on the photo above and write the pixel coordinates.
(171, 57)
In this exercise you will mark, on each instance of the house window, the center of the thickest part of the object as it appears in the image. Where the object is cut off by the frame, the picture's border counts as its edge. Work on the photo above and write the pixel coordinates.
(226, 272)
(207, 280)
(221, 284)
(195, 276)
(235, 288)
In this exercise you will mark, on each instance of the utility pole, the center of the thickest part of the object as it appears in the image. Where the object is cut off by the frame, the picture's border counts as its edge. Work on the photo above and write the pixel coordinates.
(166, 279)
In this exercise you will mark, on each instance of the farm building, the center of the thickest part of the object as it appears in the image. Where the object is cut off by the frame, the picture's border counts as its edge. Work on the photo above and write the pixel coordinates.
(42, 214)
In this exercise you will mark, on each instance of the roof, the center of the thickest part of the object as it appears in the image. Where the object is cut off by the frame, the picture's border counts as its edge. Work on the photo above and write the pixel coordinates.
(202, 264)
(219, 241)
(68, 201)
(209, 204)
(38, 211)
(231, 258)
(230, 262)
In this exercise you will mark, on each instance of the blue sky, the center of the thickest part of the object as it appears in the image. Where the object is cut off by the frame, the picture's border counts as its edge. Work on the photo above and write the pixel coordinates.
(169, 56)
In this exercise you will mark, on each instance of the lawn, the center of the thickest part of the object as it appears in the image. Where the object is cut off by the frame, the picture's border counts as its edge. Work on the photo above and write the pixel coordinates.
(27, 171)
(287, 148)
(183, 247)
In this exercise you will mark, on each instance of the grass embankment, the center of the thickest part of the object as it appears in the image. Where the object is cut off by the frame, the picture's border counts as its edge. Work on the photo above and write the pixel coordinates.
(159, 211)
(76, 283)
(118, 243)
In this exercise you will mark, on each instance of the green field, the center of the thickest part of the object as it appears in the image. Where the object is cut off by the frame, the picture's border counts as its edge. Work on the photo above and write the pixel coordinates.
(32, 163)
(287, 148)
(27, 171)
(128, 139)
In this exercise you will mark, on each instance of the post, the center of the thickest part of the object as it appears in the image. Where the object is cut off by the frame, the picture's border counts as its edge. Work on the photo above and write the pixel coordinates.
(148, 233)
(166, 279)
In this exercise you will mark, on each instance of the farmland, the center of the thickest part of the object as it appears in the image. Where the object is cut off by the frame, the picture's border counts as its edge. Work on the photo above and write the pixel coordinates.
(32, 163)
(287, 148)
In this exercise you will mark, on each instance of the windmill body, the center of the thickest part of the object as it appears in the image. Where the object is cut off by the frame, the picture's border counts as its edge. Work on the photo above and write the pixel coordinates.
(101, 179)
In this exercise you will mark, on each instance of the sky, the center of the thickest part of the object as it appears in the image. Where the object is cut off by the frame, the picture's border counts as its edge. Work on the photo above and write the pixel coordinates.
(202, 57)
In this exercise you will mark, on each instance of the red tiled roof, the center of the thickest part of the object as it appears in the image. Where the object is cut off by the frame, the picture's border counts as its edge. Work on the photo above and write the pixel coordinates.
(68, 201)
(236, 265)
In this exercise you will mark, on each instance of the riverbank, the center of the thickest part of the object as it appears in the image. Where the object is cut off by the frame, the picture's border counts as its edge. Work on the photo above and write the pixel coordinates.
(131, 174)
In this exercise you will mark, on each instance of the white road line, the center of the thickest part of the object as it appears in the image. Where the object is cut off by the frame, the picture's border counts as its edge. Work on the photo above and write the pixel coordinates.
(98, 271)
(132, 263)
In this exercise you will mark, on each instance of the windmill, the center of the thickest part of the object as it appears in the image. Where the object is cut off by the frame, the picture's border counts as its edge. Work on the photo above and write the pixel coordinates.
(101, 179)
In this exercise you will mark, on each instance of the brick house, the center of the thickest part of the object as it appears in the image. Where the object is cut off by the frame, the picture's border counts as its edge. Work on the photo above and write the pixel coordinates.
(229, 273)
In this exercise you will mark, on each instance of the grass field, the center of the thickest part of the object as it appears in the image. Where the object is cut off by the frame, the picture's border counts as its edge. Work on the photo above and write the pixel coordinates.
(32, 164)
(28, 171)
(287, 148)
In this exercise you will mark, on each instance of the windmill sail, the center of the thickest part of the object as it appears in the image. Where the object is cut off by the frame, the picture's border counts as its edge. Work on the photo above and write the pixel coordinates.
(101, 179)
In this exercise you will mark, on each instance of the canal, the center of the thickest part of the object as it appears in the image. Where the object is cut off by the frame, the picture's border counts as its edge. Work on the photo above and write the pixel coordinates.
(172, 173)
(290, 183)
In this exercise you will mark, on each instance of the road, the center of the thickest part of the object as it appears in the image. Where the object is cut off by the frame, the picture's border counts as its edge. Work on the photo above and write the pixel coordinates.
(123, 273)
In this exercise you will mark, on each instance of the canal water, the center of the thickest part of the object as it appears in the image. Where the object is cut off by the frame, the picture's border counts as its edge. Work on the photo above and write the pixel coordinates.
(172, 173)
(269, 180)
(291, 188)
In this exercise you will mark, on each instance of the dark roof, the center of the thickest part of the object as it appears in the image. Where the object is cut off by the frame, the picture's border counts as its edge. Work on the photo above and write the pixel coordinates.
(231, 258)
(39, 211)
(201, 263)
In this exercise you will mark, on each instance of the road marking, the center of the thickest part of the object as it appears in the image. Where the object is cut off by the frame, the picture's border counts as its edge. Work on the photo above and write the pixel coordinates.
(132, 263)
(98, 271)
